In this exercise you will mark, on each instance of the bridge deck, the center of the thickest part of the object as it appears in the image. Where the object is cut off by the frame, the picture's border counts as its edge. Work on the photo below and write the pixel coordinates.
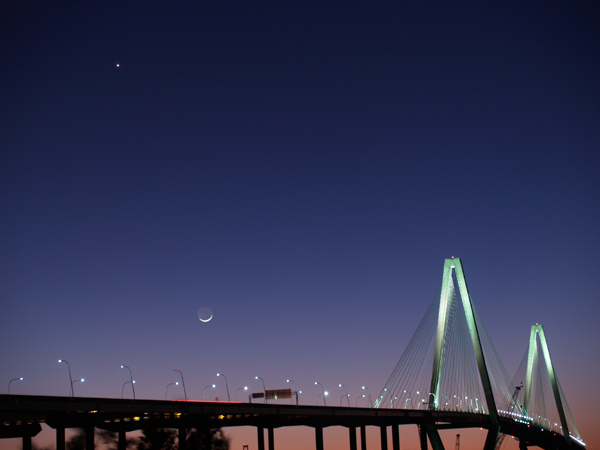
(21, 415)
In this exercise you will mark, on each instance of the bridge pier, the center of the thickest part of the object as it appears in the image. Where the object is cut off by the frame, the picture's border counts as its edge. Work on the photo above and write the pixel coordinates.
(319, 437)
(60, 438)
(363, 437)
(352, 431)
(383, 434)
(182, 439)
(123, 440)
(271, 438)
(261, 438)
(395, 437)
(90, 431)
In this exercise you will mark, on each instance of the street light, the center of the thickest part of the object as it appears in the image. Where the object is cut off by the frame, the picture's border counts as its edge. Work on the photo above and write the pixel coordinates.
(347, 396)
(130, 379)
(204, 391)
(323, 392)
(75, 381)
(360, 396)
(182, 382)
(245, 388)
(70, 377)
(226, 385)
(123, 388)
(369, 398)
(264, 390)
(14, 379)
(170, 384)
(295, 391)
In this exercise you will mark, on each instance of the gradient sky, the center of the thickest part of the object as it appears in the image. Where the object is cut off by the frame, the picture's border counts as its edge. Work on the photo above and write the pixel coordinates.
(303, 169)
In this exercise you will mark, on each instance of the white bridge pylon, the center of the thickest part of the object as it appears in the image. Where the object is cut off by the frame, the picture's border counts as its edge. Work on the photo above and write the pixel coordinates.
(450, 363)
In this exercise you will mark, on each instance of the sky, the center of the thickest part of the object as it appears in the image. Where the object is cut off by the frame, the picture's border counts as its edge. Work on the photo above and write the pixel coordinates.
(302, 169)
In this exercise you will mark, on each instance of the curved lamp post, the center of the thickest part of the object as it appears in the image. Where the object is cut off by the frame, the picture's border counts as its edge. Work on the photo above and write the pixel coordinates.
(226, 385)
(75, 381)
(295, 391)
(204, 391)
(245, 388)
(70, 377)
(182, 382)
(14, 379)
(347, 396)
(360, 396)
(369, 398)
(170, 384)
(130, 379)
(264, 390)
(322, 392)
(123, 388)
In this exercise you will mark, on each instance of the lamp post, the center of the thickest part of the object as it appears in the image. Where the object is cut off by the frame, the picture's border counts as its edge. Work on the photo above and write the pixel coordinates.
(182, 382)
(123, 388)
(75, 381)
(70, 377)
(226, 385)
(347, 396)
(130, 379)
(323, 392)
(264, 390)
(204, 391)
(369, 398)
(14, 379)
(170, 384)
(245, 388)
(356, 402)
(295, 391)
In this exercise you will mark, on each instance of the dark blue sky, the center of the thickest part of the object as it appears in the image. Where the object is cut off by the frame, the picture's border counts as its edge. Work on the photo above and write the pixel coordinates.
(303, 170)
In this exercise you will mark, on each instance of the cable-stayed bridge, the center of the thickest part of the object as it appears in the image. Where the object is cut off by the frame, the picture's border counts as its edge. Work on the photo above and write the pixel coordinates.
(449, 376)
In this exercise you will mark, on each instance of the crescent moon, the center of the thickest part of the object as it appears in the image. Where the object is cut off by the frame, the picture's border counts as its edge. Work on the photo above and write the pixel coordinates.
(207, 320)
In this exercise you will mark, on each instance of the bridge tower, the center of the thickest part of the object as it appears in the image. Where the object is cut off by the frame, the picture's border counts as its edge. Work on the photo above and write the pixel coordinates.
(532, 354)
(447, 291)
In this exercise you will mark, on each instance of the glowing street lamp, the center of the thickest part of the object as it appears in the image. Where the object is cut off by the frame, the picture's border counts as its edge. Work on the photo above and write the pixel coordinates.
(347, 396)
(170, 384)
(245, 388)
(322, 392)
(75, 381)
(70, 377)
(369, 398)
(264, 390)
(204, 391)
(360, 396)
(182, 382)
(226, 385)
(14, 379)
(130, 379)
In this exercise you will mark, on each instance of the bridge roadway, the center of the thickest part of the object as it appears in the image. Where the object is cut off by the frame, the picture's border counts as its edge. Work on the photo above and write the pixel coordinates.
(21, 416)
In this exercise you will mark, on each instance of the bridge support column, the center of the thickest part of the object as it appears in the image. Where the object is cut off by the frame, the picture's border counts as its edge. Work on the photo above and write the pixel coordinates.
(383, 433)
(261, 438)
(60, 438)
(352, 431)
(319, 437)
(434, 438)
(363, 437)
(123, 440)
(182, 439)
(89, 438)
(395, 437)
(492, 438)
(27, 442)
(271, 438)
(423, 436)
